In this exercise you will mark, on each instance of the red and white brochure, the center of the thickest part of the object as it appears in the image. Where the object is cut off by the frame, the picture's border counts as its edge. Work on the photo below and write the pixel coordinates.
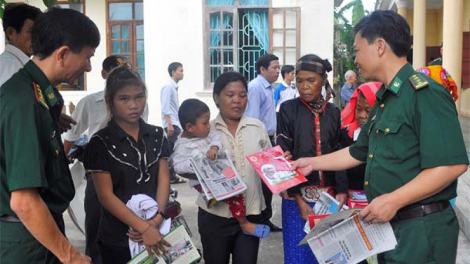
(357, 199)
(275, 170)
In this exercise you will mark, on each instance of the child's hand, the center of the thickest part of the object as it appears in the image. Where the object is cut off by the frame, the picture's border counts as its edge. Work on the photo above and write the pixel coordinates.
(212, 153)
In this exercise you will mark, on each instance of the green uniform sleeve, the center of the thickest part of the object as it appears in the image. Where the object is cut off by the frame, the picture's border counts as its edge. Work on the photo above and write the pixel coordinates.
(24, 151)
(440, 135)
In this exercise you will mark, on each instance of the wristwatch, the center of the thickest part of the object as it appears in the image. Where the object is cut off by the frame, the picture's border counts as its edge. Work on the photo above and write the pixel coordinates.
(162, 214)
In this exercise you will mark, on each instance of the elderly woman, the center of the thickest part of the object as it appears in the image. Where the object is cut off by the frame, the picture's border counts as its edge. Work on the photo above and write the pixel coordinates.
(221, 235)
(308, 126)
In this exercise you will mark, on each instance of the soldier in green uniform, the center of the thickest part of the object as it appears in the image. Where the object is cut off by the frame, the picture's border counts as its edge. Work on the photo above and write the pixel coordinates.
(412, 144)
(35, 182)
(437, 61)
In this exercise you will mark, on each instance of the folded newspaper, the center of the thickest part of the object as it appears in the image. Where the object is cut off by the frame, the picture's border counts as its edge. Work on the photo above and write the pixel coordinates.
(219, 178)
(344, 238)
(182, 251)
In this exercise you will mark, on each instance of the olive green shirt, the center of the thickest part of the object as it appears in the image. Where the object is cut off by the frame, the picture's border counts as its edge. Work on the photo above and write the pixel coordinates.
(437, 61)
(31, 151)
(413, 126)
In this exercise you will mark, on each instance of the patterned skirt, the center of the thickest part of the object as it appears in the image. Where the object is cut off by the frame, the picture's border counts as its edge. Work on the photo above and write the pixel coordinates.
(293, 233)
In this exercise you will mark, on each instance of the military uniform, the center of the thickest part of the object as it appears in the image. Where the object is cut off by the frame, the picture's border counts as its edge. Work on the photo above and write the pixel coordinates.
(31, 156)
(437, 61)
(413, 126)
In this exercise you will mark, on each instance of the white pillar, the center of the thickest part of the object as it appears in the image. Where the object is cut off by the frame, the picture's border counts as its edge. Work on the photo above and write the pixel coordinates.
(452, 36)
(419, 34)
(2, 38)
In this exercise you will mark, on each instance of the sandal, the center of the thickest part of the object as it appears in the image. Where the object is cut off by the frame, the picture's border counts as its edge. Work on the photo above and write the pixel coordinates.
(261, 231)
(177, 181)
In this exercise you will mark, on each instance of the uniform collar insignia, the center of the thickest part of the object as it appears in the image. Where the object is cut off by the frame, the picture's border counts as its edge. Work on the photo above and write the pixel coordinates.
(395, 85)
(51, 98)
(40, 96)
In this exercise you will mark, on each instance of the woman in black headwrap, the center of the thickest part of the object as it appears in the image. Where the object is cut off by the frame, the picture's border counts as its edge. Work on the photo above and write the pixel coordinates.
(308, 126)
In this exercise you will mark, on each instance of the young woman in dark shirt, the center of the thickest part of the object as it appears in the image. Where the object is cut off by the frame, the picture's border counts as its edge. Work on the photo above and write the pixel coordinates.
(128, 157)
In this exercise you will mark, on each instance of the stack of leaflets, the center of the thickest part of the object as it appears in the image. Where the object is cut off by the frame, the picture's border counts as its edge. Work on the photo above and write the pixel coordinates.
(344, 238)
(218, 178)
(182, 251)
(275, 170)
(325, 206)
(357, 199)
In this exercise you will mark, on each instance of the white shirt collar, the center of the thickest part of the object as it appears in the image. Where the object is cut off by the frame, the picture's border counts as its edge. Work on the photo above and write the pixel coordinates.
(17, 53)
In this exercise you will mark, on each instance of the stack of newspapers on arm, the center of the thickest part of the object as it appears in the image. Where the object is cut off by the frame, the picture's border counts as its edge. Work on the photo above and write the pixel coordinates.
(218, 178)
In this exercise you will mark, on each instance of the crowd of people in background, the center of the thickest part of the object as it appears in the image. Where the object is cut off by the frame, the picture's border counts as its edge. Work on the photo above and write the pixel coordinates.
(397, 139)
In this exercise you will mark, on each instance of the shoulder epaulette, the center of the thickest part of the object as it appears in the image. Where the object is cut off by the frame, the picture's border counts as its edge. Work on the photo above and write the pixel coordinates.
(418, 81)
(39, 95)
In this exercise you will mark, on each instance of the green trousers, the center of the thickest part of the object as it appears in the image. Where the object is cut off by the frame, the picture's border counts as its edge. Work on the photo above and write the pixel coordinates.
(431, 239)
(18, 246)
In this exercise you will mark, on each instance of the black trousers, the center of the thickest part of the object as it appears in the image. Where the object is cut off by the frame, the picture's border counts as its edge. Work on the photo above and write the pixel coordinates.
(268, 196)
(267, 213)
(222, 237)
(171, 140)
(114, 255)
(92, 220)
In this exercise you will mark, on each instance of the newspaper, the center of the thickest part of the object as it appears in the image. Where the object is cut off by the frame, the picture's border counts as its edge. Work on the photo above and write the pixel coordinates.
(344, 238)
(218, 178)
(325, 206)
(182, 251)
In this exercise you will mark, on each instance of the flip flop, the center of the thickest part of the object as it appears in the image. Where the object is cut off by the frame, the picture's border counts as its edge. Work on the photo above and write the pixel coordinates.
(261, 231)
(177, 181)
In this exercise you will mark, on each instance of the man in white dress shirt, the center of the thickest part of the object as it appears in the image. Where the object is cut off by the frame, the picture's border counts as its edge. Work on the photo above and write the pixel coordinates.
(18, 21)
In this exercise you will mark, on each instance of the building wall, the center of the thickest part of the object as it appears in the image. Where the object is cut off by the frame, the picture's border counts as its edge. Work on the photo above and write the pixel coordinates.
(94, 81)
(466, 16)
(174, 32)
(433, 27)
(181, 39)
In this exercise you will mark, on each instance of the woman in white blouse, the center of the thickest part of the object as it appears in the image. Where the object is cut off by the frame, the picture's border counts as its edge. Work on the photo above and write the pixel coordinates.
(221, 235)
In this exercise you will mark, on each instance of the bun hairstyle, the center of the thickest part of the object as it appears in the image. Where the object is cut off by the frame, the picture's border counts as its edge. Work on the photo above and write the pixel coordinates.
(313, 63)
(118, 78)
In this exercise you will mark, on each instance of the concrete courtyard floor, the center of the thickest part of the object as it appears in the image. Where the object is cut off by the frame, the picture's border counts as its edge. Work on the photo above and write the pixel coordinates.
(271, 249)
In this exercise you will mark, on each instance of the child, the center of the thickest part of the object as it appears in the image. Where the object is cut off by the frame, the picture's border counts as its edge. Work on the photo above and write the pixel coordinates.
(128, 157)
(198, 139)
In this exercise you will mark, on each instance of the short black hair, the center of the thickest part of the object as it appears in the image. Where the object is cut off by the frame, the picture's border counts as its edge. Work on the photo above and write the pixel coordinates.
(286, 69)
(114, 61)
(16, 14)
(388, 25)
(190, 110)
(228, 77)
(264, 61)
(63, 27)
(173, 66)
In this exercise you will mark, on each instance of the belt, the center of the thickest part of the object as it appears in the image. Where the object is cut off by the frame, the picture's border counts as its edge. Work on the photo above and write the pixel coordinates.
(419, 210)
(9, 218)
